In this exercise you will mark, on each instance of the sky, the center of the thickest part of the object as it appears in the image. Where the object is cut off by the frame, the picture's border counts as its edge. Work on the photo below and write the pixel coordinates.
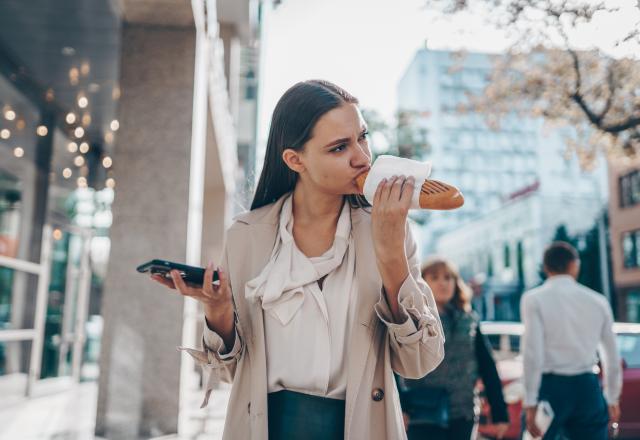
(365, 45)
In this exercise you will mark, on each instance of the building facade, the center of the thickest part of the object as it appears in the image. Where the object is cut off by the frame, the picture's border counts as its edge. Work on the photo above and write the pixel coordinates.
(488, 164)
(624, 218)
(125, 133)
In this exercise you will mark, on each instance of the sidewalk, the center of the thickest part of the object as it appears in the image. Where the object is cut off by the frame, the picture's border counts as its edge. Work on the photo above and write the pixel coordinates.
(70, 415)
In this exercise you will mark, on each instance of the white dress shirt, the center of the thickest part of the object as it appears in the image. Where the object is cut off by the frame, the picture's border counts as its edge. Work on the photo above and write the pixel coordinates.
(565, 325)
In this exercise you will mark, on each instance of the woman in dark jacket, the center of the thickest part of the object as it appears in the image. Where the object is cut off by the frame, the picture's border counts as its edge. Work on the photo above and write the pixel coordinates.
(444, 405)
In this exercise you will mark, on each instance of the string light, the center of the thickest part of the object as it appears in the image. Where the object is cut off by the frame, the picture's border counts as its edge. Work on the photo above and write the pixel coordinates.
(108, 137)
(72, 147)
(5, 133)
(71, 118)
(9, 114)
(74, 76)
(85, 68)
(79, 132)
(42, 130)
(18, 152)
(110, 182)
(107, 162)
(67, 173)
(115, 125)
(20, 124)
(86, 119)
(78, 161)
(84, 147)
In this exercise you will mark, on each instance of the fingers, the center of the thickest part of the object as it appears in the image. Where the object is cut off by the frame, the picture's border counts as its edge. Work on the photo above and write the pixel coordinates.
(407, 191)
(162, 280)
(208, 280)
(396, 188)
(181, 285)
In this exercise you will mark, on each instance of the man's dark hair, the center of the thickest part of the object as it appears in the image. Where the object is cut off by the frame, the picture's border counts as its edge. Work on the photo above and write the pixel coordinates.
(558, 256)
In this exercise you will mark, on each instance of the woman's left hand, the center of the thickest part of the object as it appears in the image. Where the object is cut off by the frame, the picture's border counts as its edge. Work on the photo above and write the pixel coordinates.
(389, 215)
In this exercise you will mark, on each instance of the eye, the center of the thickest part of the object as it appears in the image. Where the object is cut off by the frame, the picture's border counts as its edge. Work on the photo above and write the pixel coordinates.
(339, 148)
(364, 135)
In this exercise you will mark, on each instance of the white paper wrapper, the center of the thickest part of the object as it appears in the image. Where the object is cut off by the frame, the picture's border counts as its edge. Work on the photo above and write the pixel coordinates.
(386, 166)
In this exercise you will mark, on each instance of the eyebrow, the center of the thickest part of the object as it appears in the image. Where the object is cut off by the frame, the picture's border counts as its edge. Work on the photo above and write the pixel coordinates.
(343, 140)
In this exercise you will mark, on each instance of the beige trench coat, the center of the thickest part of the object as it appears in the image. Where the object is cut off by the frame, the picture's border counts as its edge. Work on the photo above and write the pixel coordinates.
(377, 347)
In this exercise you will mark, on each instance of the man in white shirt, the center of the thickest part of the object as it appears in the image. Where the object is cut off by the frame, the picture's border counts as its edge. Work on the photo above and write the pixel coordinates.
(565, 324)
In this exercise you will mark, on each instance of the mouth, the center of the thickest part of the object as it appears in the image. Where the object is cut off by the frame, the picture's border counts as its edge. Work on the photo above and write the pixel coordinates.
(360, 178)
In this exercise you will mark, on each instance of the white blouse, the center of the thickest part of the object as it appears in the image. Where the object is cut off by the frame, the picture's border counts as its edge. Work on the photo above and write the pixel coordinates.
(302, 321)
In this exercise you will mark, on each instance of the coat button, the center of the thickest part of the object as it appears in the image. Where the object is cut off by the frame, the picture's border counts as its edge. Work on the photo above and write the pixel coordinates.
(377, 395)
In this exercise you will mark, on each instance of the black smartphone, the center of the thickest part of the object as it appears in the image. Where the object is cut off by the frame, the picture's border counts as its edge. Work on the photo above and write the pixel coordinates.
(190, 274)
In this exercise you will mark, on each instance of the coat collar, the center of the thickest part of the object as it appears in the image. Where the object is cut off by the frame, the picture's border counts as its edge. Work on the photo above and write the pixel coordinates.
(270, 214)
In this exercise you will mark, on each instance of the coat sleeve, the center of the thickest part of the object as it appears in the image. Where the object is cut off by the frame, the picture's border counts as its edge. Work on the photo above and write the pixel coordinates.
(218, 362)
(490, 379)
(417, 342)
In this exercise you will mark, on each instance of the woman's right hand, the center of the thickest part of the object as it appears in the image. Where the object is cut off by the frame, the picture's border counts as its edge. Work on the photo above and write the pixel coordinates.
(216, 299)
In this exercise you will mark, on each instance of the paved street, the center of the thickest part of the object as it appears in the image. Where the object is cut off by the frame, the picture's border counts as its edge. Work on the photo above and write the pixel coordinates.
(70, 415)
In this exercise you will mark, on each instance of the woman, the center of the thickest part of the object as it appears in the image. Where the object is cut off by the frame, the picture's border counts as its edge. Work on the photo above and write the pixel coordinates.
(443, 405)
(302, 323)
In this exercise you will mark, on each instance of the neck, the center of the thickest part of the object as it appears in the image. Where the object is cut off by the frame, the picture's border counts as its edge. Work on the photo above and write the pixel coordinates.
(314, 207)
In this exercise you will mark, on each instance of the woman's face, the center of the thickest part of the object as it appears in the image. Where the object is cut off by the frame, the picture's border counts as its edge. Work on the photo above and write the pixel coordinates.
(337, 152)
(442, 283)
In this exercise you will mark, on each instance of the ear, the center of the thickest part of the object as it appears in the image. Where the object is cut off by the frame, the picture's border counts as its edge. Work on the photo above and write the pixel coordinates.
(293, 160)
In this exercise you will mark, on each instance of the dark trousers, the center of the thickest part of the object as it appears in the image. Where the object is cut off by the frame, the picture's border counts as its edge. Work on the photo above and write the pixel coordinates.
(298, 416)
(580, 411)
(458, 429)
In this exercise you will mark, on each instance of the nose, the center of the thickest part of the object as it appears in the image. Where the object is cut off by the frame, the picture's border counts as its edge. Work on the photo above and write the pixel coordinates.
(361, 157)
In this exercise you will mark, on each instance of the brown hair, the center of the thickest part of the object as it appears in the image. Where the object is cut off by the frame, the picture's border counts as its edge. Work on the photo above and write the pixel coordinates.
(558, 256)
(462, 293)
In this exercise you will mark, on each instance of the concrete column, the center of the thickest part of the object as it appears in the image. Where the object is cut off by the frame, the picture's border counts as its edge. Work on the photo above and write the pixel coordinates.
(139, 364)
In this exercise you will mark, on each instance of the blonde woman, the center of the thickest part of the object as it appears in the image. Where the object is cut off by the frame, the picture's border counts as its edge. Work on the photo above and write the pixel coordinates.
(443, 405)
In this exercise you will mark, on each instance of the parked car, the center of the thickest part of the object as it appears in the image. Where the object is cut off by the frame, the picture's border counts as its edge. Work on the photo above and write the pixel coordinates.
(505, 340)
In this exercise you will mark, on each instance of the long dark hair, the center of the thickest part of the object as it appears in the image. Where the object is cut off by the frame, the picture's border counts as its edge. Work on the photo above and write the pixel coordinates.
(292, 124)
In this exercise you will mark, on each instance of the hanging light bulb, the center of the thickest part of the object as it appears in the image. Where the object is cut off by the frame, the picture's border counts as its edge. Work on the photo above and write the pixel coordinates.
(82, 100)
(110, 182)
(42, 130)
(18, 152)
(74, 75)
(85, 68)
(67, 173)
(78, 161)
(86, 119)
(115, 125)
(108, 137)
(84, 147)
(79, 132)
(107, 162)
(5, 133)
(21, 124)
(9, 114)
(72, 147)
(71, 118)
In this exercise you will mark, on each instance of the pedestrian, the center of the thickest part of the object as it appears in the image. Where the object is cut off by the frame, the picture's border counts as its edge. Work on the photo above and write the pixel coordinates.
(320, 298)
(444, 405)
(564, 323)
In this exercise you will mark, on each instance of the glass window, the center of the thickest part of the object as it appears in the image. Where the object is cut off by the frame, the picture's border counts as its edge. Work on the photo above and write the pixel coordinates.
(631, 248)
(630, 189)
